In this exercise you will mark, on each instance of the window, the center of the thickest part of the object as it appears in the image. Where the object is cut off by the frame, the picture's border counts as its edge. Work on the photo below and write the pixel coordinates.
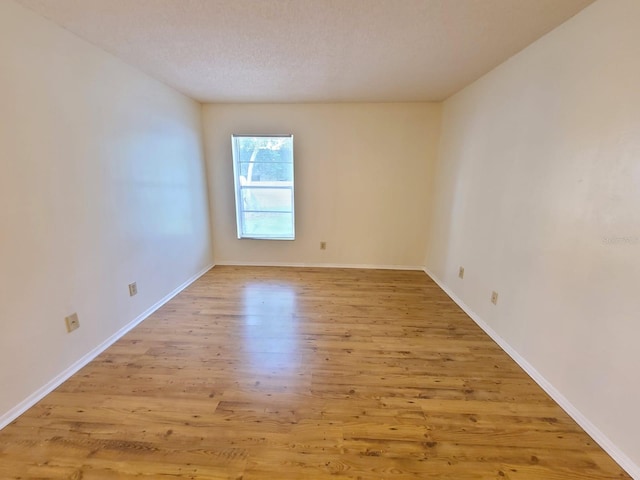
(263, 175)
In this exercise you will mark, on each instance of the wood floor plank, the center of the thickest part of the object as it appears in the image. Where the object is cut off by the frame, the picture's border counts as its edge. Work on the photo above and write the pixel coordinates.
(305, 373)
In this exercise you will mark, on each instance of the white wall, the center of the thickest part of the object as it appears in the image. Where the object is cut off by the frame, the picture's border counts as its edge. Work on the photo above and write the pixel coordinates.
(538, 197)
(101, 183)
(363, 176)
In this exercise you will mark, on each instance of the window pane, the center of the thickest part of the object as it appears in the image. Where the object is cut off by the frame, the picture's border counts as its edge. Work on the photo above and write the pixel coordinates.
(269, 199)
(268, 225)
(263, 168)
(267, 171)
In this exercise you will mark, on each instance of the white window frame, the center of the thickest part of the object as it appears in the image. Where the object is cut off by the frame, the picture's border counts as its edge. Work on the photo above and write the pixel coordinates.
(240, 210)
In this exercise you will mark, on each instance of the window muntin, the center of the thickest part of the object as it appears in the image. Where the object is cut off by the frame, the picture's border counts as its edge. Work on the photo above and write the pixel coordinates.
(263, 177)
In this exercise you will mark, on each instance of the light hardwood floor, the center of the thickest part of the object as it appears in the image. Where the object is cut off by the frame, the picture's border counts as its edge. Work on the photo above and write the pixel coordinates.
(275, 373)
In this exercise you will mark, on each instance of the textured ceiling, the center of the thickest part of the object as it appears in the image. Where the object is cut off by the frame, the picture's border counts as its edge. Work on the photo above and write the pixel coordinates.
(311, 50)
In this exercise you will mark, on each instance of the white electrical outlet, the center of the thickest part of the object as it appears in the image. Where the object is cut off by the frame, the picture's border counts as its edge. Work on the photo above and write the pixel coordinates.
(494, 298)
(461, 272)
(133, 289)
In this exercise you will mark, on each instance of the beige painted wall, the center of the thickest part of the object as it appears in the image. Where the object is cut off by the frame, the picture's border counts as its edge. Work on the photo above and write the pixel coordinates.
(101, 183)
(538, 197)
(363, 177)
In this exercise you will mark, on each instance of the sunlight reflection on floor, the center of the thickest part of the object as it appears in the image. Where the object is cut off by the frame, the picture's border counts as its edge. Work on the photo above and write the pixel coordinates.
(270, 328)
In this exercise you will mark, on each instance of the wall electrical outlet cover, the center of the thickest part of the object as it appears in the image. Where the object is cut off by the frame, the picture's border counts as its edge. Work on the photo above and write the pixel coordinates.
(72, 322)
(133, 289)
(323, 245)
(494, 298)
(461, 272)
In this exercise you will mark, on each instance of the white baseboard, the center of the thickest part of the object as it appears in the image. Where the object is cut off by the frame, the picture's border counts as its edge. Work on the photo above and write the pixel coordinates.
(618, 455)
(54, 383)
(319, 265)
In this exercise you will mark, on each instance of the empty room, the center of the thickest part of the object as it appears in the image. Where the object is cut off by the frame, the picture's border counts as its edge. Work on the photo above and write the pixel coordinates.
(308, 239)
